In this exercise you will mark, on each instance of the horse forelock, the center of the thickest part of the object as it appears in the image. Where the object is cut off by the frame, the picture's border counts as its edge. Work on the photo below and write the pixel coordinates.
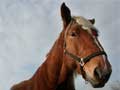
(86, 24)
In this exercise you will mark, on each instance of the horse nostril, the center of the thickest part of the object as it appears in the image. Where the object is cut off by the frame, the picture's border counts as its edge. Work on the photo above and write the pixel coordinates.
(106, 77)
(100, 75)
(97, 73)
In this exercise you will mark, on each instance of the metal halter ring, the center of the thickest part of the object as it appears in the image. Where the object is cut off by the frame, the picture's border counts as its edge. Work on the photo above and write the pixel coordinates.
(82, 63)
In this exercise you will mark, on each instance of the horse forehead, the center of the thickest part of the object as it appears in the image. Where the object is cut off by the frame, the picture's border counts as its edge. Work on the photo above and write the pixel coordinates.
(86, 24)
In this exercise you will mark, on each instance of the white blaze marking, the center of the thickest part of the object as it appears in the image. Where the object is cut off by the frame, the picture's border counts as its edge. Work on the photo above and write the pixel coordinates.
(104, 57)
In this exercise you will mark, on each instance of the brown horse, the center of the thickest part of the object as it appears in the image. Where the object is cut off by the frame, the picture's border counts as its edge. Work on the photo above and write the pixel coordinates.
(76, 50)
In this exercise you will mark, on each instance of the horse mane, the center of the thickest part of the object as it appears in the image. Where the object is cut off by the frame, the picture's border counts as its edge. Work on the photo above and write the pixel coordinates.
(59, 42)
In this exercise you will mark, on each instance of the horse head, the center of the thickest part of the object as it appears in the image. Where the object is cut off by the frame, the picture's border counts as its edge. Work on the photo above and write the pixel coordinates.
(82, 49)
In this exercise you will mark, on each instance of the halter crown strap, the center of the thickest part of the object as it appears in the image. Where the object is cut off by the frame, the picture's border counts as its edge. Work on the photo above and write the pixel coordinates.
(83, 61)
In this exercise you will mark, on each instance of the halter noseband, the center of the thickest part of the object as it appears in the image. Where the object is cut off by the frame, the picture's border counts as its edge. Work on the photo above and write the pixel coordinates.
(84, 60)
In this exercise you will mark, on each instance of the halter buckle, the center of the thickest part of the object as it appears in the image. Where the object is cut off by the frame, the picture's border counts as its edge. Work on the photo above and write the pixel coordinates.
(82, 62)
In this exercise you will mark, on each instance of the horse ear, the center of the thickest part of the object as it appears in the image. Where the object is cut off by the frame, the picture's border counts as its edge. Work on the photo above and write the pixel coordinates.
(92, 21)
(65, 14)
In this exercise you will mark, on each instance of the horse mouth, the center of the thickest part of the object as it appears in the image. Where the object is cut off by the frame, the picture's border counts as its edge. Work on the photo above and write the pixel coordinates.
(96, 83)
(99, 85)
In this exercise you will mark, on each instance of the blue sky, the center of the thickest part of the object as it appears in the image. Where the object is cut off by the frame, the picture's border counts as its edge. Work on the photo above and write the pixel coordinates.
(28, 29)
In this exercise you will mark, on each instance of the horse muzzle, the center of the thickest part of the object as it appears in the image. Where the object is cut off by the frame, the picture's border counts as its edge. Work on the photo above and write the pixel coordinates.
(100, 78)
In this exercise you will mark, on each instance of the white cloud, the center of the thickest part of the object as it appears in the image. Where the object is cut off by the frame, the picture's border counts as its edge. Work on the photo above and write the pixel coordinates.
(28, 29)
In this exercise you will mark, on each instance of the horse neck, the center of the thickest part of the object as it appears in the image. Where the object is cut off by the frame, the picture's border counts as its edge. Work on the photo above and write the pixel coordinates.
(53, 71)
(54, 59)
(57, 57)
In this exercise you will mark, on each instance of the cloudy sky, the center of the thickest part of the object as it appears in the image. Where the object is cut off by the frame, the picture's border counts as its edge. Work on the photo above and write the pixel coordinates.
(28, 29)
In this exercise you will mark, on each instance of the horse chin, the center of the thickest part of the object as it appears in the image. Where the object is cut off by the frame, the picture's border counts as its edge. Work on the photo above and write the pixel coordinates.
(95, 83)
(99, 85)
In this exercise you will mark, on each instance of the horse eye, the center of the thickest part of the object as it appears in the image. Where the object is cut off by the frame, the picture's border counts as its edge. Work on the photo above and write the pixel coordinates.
(73, 34)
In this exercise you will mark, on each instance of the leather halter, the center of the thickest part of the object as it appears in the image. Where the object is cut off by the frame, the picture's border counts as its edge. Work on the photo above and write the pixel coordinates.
(84, 60)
